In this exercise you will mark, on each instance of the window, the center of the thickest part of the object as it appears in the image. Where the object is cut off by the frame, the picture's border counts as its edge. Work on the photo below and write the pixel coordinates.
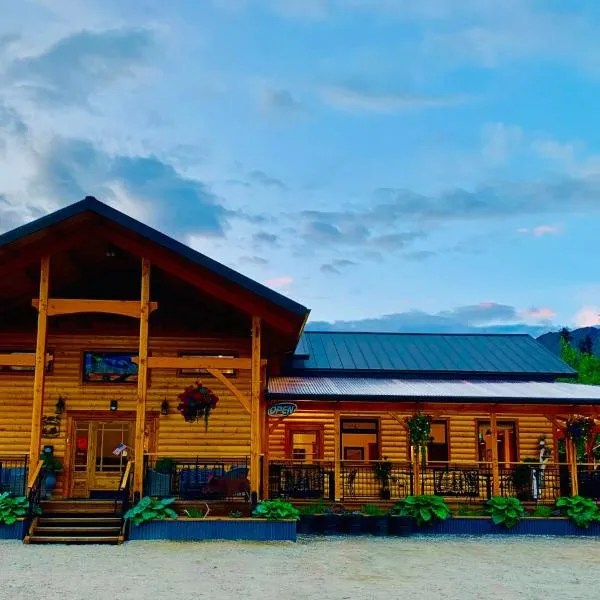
(506, 441)
(19, 369)
(304, 442)
(109, 367)
(439, 449)
(360, 439)
(204, 372)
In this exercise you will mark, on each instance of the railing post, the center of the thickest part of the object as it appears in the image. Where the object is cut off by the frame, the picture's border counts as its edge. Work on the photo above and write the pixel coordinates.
(337, 484)
(417, 471)
(572, 461)
(495, 465)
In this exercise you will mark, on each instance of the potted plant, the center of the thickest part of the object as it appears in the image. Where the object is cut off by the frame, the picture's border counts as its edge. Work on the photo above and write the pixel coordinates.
(425, 510)
(276, 510)
(51, 467)
(352, 522)
(400, 523)
(376, 520)
(196, 402)
(332, 519)
(382, 470)
(311, 518)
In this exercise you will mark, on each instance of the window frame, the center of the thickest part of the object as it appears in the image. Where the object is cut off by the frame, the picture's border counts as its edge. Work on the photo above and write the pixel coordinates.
(199, 373)
(446, 423)
(291, 428)
(132, 353)
(376, 432)
(513, 422)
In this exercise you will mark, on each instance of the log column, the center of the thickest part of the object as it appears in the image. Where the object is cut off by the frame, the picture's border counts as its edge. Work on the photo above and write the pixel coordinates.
(572, 460)
(40, 367)
(495, 465)
(255, 416)
(337, 466)
(142, 388)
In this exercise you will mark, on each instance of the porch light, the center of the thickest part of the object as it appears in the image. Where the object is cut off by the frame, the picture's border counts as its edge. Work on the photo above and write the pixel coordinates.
(164, 408)
(114, 405)
(60, 406)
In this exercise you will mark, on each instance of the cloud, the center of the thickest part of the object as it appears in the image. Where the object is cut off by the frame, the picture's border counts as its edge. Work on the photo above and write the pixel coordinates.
(263, 237)
(281, 102)
(279, 282)
(76, 66)
(419, 255)
(541, 230)
(542, 313)
(487, 317)
(336, 266)
(262, 178)
(354, 99)
(254, 260)
(499, 140)
(588, 316)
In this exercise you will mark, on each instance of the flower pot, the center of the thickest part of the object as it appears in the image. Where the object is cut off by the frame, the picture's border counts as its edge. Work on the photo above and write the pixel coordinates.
(332, 524)
(352, 524)
(380, 525)
(49, 484)
(312, 524)
(400, 526)
(305, 525)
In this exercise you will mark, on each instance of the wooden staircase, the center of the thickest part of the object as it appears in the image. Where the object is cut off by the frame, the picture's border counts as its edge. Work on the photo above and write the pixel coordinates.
(77, 522)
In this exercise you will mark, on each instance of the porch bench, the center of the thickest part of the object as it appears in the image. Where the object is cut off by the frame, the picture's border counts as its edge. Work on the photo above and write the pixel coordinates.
(13, 480)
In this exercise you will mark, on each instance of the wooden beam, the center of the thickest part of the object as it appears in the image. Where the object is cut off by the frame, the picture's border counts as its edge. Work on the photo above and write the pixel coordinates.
(255, 440)
(244, 400)
(337, 466)
(40, 365)
(68, 306)
(495, 465)
(560, 426)
(20, 360)
(399, 420)
(276, 424)
(142, 388)
(198, 362)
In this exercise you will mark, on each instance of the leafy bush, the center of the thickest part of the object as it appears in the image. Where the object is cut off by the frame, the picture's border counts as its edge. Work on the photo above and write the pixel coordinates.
(372, 510)
(318, 508)
(12, 508)
(194, 513)
(542, 511)
(582, 511)
(425, 510)
(276, 510)
(236, 514)
(150, 509)
(505, 511)
(468, 510)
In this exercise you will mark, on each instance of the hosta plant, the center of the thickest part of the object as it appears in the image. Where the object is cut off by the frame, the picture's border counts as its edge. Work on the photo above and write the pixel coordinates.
(276, 510)
(12, 508)
(150, 509)
(506, 512)
(372, 510)
(582, 511)
(425, 510)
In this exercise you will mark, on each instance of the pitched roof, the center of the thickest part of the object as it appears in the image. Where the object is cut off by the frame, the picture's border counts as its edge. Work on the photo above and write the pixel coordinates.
(92, 205)
(439, 390)
(419, 354)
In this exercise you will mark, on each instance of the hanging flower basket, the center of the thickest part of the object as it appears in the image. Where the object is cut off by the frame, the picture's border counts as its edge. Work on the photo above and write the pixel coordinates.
(419, 433)
(196, 402)
(580, 428)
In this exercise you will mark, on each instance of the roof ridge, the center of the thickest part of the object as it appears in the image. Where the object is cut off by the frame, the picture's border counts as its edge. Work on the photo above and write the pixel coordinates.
(432, 333)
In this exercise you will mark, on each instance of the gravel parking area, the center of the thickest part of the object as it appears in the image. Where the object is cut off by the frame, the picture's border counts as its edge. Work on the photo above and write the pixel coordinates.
(320, 568)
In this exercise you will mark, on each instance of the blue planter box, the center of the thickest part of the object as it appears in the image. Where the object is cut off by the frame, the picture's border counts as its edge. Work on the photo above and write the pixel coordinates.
(215, 529)
(485, 526)
(12, 532)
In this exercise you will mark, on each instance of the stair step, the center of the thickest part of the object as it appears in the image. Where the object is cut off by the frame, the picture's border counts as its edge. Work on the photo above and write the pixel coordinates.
(79, 530)
(40, 539)
(55, 520)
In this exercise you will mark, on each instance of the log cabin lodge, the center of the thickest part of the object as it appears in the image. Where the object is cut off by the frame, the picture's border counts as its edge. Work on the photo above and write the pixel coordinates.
(105, 321)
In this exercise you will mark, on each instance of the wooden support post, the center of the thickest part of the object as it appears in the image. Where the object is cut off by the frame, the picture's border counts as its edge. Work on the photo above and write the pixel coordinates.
(495, 465)
(264, 423)
(40, 366)
(255, 417)
(337, 466)
(572, 460)
(417, 472)
(142, 388)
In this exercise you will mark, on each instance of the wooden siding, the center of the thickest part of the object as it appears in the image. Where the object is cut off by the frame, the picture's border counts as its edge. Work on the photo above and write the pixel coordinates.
(462, 433)
(228, 432)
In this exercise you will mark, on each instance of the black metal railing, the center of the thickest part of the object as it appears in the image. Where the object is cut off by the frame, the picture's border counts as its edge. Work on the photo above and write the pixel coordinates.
(532, 482)
(301, 480)
(589, 481)
(456, 481)
(224, 479)
(14, 471)
(364, 480)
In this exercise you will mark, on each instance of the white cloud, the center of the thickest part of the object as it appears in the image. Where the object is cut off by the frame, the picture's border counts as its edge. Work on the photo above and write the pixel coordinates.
(499, 140)
(587, 316)
(280, 282)
(541, 230)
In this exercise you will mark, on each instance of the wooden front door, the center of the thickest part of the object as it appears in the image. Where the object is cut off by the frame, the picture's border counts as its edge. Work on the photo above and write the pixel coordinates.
(94, 465)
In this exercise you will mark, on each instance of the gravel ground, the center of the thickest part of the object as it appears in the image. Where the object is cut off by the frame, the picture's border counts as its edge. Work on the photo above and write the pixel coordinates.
(319, 568)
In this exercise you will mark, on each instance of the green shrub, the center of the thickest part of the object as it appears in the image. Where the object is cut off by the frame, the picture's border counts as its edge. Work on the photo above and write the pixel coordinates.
(582, 511)
(372, 510)
(318, 508)
(505, 511)
(150, 509)
(469, 510)
(542, 511)
(12, 508)
(194, 513)
(276, 510)
(425, 510)
(236, 514)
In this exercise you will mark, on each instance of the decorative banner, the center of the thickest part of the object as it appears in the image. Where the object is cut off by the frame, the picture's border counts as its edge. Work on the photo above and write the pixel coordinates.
(50, 427)
(120, 449)
(283, 409)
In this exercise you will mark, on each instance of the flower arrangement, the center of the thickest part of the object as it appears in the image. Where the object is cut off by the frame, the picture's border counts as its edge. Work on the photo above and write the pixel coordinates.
(419, 433)
(196, 402)
(579, 429)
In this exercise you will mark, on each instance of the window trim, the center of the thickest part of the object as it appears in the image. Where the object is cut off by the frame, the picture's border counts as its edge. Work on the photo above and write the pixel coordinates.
(446, 423)
(514, 422)
(199, 373)
(306, 427)
(376, 431)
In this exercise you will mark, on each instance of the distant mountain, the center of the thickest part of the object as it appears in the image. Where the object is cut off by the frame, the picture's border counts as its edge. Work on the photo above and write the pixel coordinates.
(552, 340)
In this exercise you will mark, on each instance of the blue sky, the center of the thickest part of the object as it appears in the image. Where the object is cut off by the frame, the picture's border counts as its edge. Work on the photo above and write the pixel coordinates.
(391, 164)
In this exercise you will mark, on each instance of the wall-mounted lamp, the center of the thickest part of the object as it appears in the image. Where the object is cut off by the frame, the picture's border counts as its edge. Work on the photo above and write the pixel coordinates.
(60, 406)
(164, 408)
(114, 404)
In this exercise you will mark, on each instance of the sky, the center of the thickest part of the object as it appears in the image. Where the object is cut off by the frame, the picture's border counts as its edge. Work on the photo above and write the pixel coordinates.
(393, 165)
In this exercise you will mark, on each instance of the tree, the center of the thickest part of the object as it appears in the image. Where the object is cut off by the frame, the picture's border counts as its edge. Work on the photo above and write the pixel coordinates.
(586, 365)
(565, 335)
(586, 345)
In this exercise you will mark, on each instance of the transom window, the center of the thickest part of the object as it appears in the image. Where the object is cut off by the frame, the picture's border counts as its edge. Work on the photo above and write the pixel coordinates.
(204, 372)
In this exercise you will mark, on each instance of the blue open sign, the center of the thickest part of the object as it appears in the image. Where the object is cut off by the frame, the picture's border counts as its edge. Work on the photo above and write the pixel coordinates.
(283, 409)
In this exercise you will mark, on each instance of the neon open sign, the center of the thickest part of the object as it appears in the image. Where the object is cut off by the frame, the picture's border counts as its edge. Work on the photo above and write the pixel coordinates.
(283, 409)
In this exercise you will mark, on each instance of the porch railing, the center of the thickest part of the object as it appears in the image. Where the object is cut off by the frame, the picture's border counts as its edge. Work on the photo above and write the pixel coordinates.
(359, 480)
(14, 471)
(196, 478)
(301, 480)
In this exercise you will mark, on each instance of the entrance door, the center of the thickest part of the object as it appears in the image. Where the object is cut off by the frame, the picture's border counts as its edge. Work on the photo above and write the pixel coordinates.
(98, 465)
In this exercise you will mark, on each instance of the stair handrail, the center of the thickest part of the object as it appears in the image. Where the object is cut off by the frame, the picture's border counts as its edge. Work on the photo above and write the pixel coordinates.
(123, 494)
(34, 494)
(126, 474)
